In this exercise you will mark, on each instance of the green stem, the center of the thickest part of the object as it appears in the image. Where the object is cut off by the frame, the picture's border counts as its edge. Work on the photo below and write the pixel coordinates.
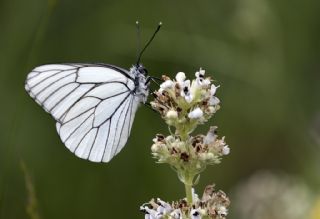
(188, 179)
(188, 193)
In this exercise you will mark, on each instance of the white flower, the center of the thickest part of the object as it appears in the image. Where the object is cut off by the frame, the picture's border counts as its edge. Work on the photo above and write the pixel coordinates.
(225, 150)
(170, 139)
(172, 114)
(162, 210)
(196, 113)
(168, 84)
(200, 73)
(214, 101)
(188, 98)
(195, 214)
(164, 207)
(180, 77)
(186, 83)
(210, 156)
(207, 156)
(211, 135)
(211, 109)
(200, 80)
(176, 214)
(213, 89)
(155, 148)
(185, 91)
(150, 213)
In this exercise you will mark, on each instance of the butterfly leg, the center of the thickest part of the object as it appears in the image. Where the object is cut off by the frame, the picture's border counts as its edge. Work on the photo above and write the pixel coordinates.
(154, 80)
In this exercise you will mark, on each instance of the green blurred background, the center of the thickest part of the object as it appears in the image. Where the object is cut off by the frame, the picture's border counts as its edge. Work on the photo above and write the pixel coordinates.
(264, 54)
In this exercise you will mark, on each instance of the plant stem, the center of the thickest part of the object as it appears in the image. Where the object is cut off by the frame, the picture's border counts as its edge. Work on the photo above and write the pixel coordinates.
(188, 193)
(187, 178)
(188, 186)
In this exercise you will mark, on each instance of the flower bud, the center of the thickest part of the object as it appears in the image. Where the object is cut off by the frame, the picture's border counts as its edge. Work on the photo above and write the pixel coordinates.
(167, 85)
(214, 101)
(211, 109)
(213, 89)
(172, 114)
(211, 136)
(210, 156)
(202, 156)
(155, 148)
(188, 98)
(180, 77)
(170, 139)
(195, 114)
(200, 73)
(225, 150)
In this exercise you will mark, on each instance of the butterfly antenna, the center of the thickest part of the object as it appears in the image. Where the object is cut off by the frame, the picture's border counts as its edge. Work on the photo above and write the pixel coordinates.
(148, 43)
(138, 38)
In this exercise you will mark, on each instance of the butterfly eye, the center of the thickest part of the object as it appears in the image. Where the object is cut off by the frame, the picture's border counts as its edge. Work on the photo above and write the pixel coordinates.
(143, 70)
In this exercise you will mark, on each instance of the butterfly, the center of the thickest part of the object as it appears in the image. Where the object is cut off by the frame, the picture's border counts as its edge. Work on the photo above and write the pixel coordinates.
(94, 105)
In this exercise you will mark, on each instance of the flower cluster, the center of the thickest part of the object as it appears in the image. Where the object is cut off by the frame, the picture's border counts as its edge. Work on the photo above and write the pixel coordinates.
(184, 105)
(199, 151)
(212, 205)
(181, 102)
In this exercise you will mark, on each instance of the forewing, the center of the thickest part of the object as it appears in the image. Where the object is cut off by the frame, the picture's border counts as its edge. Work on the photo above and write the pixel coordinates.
(93, 105)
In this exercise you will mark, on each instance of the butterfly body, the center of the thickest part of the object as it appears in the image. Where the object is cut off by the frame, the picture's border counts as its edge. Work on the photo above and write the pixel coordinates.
(141, 81)
(93, 104)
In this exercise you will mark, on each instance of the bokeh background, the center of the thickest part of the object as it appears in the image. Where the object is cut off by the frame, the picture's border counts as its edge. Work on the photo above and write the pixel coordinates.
(264, 54)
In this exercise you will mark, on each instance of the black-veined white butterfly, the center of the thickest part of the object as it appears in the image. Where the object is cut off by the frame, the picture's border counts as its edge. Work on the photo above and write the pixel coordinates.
(93, 104)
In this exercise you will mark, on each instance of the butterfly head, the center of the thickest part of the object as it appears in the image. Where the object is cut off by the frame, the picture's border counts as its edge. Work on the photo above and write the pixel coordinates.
(141, 69)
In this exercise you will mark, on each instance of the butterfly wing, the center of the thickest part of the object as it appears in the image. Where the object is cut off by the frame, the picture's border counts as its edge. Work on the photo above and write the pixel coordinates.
(93, 105)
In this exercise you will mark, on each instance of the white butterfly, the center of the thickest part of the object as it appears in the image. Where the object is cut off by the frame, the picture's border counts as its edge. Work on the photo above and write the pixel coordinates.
(93, 104)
